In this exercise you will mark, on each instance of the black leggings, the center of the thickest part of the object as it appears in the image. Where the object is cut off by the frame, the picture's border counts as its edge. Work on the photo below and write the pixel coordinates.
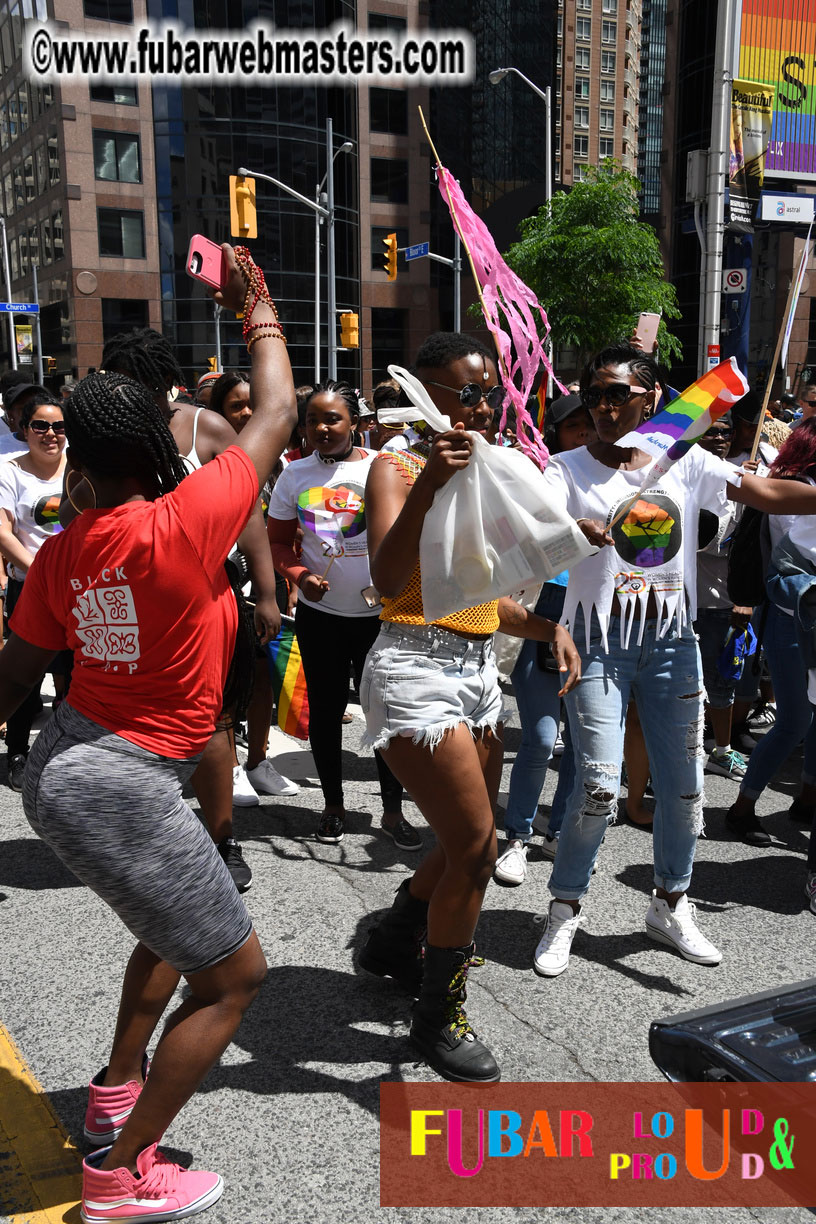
(331, 646)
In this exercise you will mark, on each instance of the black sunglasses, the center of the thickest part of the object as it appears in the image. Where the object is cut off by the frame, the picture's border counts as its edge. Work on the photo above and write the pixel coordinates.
(472, 394)
(615, 394)
(718, 433)
(42, 427)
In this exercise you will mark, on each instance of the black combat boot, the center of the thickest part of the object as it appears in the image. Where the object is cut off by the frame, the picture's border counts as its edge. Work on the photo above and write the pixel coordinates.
(394, 946)
(440, 1028)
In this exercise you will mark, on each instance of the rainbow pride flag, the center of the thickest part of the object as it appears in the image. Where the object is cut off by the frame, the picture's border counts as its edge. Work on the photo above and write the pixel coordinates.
(672, 433)
(288, 681)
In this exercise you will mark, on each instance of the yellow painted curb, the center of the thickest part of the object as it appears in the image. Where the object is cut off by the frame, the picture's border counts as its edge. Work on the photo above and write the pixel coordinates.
(41, 1176)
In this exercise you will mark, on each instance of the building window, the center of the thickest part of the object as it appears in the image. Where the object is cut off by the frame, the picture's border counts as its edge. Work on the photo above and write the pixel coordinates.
(582, 116)
(34, 246)
(389, 111)
(583, 28)
(609, 31)
(109, 10)
(557, 64)
(122, 95)
(53, 157)
(383, 21)
(389, 180)
(607, 123)
(116, 157)
(58, 235)
(607, 91)
(121, 233)
(606, 147)
(559, 25)
(23, 244)
(45, 242)
(610, 6)
(22, 107)
(378, 233)
(578, 172)
(557, 144)
(122, 315)
(581, 146)
(558, 86)
(608, 61)
(581, 58)
(584, 4)
(582, 87)
(30, 185)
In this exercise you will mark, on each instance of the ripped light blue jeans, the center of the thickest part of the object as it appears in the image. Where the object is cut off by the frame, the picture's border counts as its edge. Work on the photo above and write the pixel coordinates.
(665, 676)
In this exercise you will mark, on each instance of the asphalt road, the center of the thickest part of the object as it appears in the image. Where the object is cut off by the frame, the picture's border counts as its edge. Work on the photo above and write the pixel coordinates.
(290, 1116)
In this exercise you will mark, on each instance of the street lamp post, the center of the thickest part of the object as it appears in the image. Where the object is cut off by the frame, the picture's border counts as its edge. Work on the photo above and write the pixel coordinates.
(497, 75)
(322, 212)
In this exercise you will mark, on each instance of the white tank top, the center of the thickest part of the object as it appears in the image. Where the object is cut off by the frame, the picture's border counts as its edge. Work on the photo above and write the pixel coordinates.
(191, 459)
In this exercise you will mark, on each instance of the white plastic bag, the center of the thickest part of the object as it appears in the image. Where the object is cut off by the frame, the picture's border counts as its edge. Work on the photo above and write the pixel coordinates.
(492, 529)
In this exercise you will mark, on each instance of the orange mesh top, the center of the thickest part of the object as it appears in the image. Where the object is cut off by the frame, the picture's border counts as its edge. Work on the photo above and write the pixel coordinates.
(406, 608)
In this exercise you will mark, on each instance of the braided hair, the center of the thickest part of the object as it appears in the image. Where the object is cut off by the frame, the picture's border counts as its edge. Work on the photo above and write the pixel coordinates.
(342, 390)
(145, 355)
(623, 354)
(115, 429)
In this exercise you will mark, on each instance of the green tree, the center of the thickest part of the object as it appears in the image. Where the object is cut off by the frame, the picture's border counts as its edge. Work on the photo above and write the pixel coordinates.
(594, 265)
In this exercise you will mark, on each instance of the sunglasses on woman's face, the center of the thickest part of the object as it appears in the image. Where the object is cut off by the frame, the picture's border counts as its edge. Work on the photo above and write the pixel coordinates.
(42, 427)
(472, 394)
(718, 433)
(615, 394)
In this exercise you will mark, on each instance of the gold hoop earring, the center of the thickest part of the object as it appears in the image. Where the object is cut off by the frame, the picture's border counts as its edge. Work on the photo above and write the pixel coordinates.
(76, 486)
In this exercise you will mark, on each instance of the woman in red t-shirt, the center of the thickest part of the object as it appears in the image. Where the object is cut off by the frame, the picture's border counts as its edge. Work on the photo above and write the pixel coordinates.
(136, 587)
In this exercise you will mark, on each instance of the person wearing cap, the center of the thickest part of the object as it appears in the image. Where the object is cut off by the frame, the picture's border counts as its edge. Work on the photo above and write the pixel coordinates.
(745, 416)
(204, 387)
(536, 683)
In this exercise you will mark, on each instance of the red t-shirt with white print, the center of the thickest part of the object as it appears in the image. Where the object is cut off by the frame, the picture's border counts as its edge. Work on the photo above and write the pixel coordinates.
(140, 595)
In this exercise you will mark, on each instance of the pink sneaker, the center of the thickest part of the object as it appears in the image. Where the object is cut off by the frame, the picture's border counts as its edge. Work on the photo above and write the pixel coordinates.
(109, 1108)
(161, 1190)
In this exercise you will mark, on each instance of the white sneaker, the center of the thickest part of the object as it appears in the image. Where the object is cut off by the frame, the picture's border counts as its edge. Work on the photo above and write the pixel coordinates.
(810, 890)
(243, 793)
(553, 951)
(763, 717)
(511, 867)
(267, 781)
(677, 928)
(730, 764)
(558, 746)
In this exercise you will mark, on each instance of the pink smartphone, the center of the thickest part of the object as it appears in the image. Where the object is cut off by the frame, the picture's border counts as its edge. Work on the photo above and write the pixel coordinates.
(646, 330)
(205, 262)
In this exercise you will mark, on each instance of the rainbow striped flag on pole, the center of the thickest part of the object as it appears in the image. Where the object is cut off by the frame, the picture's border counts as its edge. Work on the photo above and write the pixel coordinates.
(672, 433)
(288, 681)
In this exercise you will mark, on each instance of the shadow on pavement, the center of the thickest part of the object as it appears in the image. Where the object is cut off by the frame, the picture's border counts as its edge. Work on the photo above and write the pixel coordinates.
(26, 862)
(310, 1031)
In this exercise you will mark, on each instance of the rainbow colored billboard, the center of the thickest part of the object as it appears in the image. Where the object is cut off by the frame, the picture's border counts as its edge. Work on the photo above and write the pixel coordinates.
(778, 48)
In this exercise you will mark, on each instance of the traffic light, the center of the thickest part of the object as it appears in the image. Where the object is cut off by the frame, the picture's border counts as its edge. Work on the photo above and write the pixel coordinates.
(390, 257)
(212, 363)
(349, 330)
(243, 217)
(50, 364)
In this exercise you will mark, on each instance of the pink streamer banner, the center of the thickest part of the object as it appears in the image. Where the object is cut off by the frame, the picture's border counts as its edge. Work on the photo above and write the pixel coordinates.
(503, 293)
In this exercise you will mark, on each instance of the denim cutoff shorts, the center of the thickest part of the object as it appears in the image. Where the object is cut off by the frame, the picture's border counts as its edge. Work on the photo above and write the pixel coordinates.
(421, 680)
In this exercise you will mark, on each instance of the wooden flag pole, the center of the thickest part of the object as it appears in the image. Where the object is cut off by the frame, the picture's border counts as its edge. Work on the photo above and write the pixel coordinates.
(772, 369)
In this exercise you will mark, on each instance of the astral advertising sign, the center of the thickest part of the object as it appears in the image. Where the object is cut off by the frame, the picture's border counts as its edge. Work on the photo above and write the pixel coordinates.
(777, 41)
(751, 112)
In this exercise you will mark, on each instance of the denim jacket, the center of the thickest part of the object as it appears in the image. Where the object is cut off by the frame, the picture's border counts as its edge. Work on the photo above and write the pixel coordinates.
(791, 583)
